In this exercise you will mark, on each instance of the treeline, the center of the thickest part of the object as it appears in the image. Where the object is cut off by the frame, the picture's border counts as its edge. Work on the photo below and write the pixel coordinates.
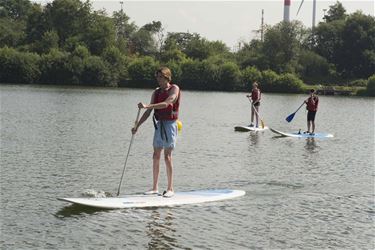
(67, 42)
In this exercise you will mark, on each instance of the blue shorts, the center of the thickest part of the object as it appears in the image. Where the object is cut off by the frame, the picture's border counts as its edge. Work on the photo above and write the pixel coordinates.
(165, 135)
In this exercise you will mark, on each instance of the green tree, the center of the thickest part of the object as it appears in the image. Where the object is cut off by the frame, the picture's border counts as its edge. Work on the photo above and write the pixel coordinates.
(68, 17)
(179, 40)
(76, 62)
(328, 39)
(15, 9)
(143, 43)
(99, 33)
(96, 72)
(56, 68)
(124, 31)
(251, 54)
(347, 41)
(201, 48)
(335, 12)
(229, 77)
(124, 28)
(198, 49)
(37, 24)
(13, 21)
(173, 55)
(176, 70)
(143, 69)
(356, 57)
(269, 80)
(288, 83)
(11, 32)
(49, 40)
(313, 67)
(201, 75)
(249, 75)
(117, 63)
(281, 46)
(18, 67)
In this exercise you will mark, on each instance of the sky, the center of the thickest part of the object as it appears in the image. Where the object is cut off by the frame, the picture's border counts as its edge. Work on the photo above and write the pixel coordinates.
(228, 21)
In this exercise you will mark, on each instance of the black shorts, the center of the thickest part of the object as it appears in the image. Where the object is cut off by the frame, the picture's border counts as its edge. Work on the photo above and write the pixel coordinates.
(257, 104)
(311, 115)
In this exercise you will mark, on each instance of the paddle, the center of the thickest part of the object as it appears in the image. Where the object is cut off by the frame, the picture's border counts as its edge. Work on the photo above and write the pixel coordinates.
(261, 120)
(291, 116)
(127, 156)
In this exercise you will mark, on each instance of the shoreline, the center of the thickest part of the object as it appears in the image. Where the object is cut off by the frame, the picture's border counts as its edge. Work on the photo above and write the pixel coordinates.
(321, 90)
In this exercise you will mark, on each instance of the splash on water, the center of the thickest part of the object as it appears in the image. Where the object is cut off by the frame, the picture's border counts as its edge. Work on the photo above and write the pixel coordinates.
(96, 193)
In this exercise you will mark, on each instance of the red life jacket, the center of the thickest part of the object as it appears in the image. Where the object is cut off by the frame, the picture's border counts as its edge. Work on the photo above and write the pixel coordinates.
(169, 113)
(312, 103)
(255, 94)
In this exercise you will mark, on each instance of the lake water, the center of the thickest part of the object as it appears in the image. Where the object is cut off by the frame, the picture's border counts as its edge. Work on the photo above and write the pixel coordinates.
(310, 194)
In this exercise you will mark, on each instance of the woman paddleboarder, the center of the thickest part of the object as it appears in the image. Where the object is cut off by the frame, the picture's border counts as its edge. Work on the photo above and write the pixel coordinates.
(255, 98)
(165, 102)
(312, 107)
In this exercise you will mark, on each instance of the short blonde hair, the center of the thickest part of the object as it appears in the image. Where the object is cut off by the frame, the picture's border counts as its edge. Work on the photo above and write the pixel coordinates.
(166, 72)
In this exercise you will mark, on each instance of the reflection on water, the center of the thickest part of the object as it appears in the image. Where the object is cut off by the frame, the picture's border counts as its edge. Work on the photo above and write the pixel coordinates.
(254, 138)
(75, 209)
(311, 145)
(160, 230)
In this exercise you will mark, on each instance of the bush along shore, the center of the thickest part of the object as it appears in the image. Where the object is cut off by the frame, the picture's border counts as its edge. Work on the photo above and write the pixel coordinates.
(67, 42)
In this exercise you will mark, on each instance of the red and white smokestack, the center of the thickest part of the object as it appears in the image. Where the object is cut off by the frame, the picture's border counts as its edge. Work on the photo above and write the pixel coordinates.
(286, 10)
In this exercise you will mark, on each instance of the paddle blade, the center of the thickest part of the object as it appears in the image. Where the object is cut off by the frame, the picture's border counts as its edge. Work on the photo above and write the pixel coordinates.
(290, 117)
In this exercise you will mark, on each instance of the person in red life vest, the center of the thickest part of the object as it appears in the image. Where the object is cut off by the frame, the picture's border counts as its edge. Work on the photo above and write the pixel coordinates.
(312, 107)
(165, 102)
(255, 99)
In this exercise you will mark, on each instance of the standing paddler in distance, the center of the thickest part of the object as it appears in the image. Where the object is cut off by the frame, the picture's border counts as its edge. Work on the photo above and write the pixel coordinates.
(312, 107)
(165, 102)
(255, 103)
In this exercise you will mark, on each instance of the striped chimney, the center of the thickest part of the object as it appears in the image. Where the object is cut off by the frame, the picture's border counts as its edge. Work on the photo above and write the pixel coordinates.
(286, 10)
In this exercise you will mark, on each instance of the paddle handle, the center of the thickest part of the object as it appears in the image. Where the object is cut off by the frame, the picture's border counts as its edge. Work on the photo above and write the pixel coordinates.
(136, 119)
(127, 155)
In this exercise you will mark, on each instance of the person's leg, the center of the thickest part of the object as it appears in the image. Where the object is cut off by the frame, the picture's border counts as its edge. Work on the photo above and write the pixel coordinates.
(156, 168)
(308, 126)
(308, 121)
(169, 166)
(252, 115)
(257, 116)
(313, 122)
(313, 126)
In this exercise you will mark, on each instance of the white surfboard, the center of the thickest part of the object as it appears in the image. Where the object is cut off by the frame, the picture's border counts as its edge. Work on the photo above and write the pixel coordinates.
(302, 135)
(247, 128)
(180, 198)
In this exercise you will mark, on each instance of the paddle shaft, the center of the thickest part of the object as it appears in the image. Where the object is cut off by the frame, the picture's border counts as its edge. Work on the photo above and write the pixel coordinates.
(299, 107)
(127, 155)
(253, 107)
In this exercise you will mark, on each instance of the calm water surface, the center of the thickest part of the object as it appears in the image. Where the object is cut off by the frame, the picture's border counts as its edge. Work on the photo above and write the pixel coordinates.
(310, 194)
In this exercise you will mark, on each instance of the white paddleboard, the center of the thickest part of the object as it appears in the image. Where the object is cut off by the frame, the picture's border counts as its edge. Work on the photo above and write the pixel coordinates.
(180, 198)
(302, 135)
(247, 128)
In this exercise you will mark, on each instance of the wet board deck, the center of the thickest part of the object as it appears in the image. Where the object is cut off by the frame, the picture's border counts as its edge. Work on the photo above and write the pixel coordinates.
(302, 135)
(247, 128)
(180, 198)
